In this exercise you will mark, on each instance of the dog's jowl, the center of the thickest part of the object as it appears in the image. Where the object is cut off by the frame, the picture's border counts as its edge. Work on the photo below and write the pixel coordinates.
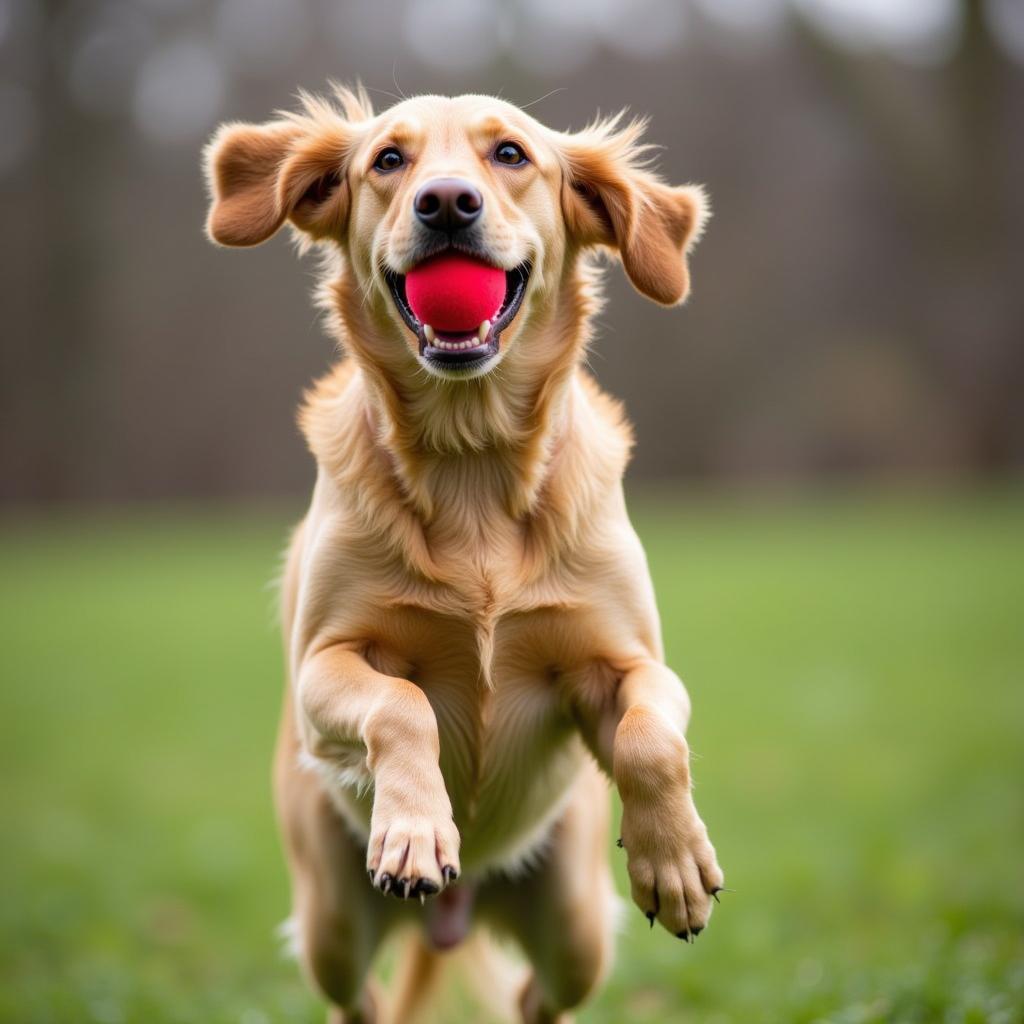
(473, 647)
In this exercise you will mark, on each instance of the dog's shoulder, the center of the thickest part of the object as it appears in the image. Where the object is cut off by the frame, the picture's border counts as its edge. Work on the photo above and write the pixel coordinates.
(322, 413)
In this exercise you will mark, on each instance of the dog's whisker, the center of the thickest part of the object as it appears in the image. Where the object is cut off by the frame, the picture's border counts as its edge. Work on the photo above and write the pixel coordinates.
(394, 76)
(547, 95)
(385, 92)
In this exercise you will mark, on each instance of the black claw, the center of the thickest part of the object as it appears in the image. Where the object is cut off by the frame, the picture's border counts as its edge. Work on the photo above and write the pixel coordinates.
(384, 883)
(449, 874)
(684, 935)
(425, 887)
(714, 894)
(371, 875)
(618, 842)
(650, 917)
(697, 931)
(404, 888)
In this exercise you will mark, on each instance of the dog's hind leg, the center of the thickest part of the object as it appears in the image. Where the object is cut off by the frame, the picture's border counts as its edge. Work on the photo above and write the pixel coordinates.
(339, 920)
(562, 914)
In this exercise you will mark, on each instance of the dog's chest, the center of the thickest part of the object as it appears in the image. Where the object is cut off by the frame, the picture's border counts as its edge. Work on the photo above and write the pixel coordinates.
(509, 748)
(490, 648)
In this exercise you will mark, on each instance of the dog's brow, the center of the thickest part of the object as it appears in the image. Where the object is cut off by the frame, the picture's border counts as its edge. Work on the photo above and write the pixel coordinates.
(401, 133)
(490, 126)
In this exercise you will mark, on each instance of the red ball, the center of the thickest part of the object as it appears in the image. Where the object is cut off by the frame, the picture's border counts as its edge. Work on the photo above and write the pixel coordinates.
(454, 292)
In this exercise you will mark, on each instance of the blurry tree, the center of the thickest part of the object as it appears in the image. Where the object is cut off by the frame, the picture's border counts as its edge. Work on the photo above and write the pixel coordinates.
(59, 364)
(965, 301)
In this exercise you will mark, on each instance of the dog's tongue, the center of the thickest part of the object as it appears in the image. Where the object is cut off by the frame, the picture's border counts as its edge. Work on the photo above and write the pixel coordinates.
(454, 293)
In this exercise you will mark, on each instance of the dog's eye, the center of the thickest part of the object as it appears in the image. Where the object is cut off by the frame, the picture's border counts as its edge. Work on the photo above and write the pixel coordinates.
(389, 159)
(509, 153)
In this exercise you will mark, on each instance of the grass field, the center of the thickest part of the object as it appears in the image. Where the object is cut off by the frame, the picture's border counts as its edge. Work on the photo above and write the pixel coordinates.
(857, 672)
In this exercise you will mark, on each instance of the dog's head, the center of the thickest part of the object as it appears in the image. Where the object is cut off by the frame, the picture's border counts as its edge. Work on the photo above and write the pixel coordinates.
(463, 209)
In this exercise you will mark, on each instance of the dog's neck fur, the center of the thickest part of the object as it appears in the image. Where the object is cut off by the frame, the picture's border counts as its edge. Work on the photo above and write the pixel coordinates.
(469, 460)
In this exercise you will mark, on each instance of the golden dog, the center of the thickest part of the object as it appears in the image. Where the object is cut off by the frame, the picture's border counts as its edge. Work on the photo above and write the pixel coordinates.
(471, 632)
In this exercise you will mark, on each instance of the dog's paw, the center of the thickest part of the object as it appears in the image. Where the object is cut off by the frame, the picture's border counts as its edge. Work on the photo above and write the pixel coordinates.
(673, 872)
(411, 853)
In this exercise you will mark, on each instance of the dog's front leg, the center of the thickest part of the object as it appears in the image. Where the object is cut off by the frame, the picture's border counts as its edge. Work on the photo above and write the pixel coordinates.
(345, 703)
(639, 739)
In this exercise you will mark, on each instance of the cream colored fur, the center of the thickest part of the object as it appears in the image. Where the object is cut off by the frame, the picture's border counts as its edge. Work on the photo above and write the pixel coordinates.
(472, 639)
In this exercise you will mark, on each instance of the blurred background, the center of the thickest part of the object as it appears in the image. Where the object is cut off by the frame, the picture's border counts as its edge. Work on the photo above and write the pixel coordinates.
(827, 477)
(857, 309)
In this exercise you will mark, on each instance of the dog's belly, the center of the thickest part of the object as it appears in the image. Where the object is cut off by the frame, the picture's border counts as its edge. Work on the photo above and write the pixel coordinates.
(509, 751)
(529, 756)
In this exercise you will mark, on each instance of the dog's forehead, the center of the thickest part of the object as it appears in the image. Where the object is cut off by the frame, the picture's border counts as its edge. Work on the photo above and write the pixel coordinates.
(452, 120)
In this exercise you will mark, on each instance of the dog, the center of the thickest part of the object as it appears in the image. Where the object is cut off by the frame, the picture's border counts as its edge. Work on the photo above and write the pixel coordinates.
(472, 641)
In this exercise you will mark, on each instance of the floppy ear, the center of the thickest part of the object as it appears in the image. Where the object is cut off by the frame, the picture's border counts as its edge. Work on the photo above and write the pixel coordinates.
(608, 198)
(261, 175)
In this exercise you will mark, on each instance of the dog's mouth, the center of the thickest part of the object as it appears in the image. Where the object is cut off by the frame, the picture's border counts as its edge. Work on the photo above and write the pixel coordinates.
(462, 352)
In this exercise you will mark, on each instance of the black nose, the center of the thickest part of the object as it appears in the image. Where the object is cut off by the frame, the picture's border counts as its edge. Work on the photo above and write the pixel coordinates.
(447, 204)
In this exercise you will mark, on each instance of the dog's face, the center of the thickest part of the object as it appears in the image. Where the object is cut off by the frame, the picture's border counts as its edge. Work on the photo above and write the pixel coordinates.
(438, 177)
(470, 175)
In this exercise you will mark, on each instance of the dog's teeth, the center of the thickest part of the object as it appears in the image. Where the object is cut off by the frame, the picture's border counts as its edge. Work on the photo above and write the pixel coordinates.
(483, 331)
(455, 346)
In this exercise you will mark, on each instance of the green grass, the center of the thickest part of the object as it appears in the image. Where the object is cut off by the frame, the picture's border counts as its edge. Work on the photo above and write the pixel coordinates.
(856, 670)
